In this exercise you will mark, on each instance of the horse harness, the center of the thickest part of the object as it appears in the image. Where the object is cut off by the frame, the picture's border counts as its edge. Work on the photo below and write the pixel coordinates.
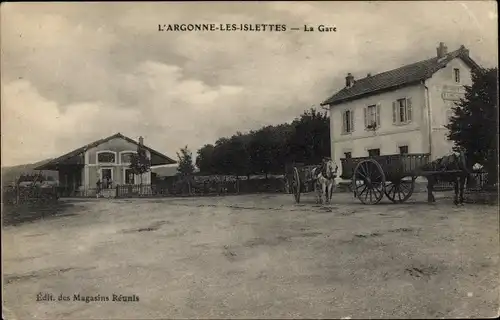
(322, 169)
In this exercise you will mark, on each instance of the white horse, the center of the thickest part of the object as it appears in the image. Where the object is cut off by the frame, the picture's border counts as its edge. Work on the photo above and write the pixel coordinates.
(324, 180)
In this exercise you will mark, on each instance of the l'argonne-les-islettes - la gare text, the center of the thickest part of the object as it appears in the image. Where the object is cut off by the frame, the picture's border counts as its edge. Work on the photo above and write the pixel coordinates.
(258, 27)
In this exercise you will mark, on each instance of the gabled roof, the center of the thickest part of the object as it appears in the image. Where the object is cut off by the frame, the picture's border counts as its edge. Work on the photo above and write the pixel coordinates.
(403, 76)
(77, 156)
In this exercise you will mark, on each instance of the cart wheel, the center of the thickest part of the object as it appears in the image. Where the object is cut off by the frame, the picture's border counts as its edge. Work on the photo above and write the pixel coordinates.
(296, 185)
(400, 191)
(368, 182)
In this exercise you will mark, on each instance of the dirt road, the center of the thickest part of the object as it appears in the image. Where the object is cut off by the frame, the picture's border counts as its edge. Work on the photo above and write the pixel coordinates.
(256, 256)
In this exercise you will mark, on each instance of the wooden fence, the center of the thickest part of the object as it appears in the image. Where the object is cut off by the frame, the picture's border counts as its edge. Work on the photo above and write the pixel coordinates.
(477, 182)
(223, 187)
(202, 188)
(176, 188)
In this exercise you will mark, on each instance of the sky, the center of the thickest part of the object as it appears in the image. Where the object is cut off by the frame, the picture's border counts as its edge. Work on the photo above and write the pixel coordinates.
(72, 73)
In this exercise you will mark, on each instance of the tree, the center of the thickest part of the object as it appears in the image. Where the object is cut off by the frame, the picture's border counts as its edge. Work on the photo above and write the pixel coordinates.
(139, 162)
(267, 150)
(280, 138)
(310, 140)
(238, 156)
(186, 166)
(473, 125)
(261, 150)
(221, 161)
(205, 159)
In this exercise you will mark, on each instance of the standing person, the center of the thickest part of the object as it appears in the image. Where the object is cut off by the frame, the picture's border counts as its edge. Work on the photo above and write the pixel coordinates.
(98, 187)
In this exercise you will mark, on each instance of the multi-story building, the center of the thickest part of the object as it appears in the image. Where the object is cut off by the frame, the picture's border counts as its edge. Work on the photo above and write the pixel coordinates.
(399, 111)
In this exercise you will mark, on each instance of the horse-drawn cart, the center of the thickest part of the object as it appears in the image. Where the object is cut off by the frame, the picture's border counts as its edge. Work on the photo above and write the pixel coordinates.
(371, 177)
(391, 175)
(306, 178)
(300, 179)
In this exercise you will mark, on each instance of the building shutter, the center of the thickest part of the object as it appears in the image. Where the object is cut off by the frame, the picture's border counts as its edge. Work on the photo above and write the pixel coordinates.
(408, 110)
(394, 112)
(366, 116)
(351, 119)
(343, 121)
(378, 115)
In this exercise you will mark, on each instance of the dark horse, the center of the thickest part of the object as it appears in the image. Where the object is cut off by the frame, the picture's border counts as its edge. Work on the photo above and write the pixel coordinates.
(451, 169)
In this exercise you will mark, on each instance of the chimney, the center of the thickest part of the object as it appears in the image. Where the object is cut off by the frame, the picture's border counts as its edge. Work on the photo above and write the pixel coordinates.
(349, 80)
(464, 50)
(141, 140)
(368, 75)
(442, 50)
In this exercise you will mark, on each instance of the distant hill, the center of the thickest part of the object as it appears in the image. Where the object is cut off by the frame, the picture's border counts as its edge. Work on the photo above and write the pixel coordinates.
(10, 174)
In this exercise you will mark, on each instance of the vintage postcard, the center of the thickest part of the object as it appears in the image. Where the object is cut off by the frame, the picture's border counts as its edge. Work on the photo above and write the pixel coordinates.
(258, 160)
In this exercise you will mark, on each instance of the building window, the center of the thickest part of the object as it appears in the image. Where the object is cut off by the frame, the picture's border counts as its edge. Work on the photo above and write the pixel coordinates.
(129, 176)
(456, 73)
(402, 111)
(126, 157)
(347, 155)
(106, 157)
(373, 152)
(347, 122)
(372, 117)
(403, 150)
